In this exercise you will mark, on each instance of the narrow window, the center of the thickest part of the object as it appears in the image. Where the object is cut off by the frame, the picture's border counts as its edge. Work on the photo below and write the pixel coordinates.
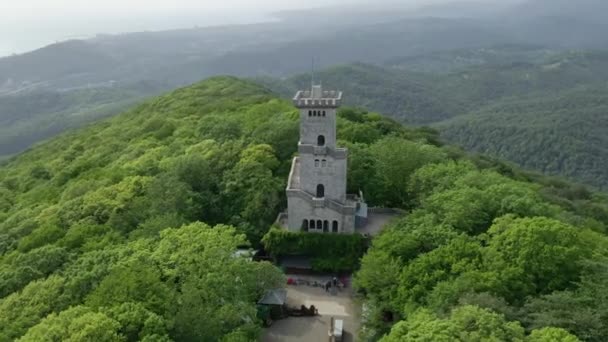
(305, 225)
(316, 162)
(323, 163)
(312, 224)
(323, 113)
(320, 191)
(321, 140)
(326, 226)
(310, 113)
(314, 113)
(319, 224)
(334, 227)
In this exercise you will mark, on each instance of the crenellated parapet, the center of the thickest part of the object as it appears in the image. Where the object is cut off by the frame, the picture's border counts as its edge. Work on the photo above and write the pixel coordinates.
(318, 99)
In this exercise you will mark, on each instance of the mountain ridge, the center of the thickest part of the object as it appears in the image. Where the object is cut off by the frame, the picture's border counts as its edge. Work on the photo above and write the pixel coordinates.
(129, 226)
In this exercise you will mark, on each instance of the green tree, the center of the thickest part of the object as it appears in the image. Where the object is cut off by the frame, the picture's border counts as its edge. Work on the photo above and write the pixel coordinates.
(395, 161)
(466, 324)
(75, 324)
(550, 335)
(535, 255)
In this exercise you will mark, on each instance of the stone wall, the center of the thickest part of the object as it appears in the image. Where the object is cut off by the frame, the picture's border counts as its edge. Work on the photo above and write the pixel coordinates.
(299, 210)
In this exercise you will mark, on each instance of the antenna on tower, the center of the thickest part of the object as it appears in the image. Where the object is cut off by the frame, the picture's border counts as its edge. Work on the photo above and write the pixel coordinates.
(312, 73)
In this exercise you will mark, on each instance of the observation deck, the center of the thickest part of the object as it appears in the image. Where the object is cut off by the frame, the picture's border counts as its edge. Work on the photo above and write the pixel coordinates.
(317, 97)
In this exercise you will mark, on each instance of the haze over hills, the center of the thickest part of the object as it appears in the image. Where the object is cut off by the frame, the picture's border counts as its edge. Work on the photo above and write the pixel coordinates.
(280, 48)
(547, 114)
(433, 50)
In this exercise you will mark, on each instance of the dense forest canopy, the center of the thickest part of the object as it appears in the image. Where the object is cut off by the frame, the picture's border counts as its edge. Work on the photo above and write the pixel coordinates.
(99, 226)
(126, 230)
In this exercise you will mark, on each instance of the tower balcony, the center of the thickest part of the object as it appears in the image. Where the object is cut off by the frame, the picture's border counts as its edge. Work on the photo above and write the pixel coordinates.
(337, 153)
(318, 202)
(320, 150)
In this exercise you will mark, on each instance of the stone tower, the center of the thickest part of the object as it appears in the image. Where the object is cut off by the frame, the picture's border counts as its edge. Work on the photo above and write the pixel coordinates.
(316, 190)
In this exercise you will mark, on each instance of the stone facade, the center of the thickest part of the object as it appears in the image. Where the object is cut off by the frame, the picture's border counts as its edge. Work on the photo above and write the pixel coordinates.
(316, 190)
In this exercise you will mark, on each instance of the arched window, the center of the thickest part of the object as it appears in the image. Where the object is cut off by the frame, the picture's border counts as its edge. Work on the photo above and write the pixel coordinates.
(323, 113)
(316, 162)
(319, 224)
(310, 113)
(323, 162)
(334, 227)
(314, 113)
(321, 140)
(325, 226)
(312, 224)
(305, 225)
(320, 191)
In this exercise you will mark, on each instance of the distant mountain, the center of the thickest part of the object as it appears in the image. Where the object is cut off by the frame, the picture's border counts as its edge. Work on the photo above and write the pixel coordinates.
(559, 133)
(409, 97)
(437, 39)
(549, 116)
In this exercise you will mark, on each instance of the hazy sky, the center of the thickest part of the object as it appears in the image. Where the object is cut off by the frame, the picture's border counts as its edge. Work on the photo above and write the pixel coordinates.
(30, 24)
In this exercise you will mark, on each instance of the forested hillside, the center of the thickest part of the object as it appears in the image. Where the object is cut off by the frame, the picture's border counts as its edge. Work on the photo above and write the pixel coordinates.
(548, 116)
(27, 118)
(126, 230)
(560, 134)
(100, 236)
(98, 232)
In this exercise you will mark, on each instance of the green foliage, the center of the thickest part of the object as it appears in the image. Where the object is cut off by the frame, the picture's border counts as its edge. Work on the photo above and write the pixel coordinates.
(75, 324)
(555, 133)
(537, 255)
(581, 311)
(21, 310)
(85, 220)
(550, 335)
(29, 117)
(479, 237)
(137, 323)
(467, 323)
(330, 252)
(139, 282)
(395, 160)
(101, 233)
(18, 269)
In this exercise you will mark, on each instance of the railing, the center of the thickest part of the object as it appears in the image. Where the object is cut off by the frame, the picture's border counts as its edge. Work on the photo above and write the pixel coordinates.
(323, 202)
(337, 153)
(385, 211)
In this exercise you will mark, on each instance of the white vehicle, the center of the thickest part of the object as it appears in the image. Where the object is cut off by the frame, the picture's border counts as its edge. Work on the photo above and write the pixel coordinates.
(336, 329)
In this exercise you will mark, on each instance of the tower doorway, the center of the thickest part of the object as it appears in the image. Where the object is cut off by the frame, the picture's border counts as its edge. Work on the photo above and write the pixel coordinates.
(321, 140)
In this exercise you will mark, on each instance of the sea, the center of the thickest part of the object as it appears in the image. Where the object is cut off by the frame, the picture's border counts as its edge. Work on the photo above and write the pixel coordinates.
(27, 36)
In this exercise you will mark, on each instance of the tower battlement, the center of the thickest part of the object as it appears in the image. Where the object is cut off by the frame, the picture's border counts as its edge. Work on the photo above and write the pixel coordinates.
(317, 97)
